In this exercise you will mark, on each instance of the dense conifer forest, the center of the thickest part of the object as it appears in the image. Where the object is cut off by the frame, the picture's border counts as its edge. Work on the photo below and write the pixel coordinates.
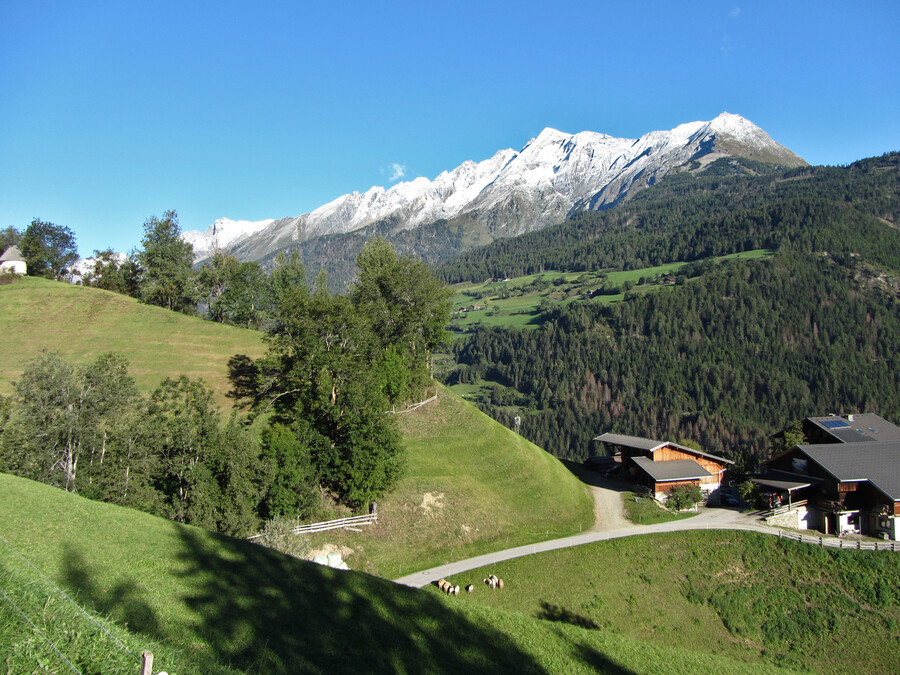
(734, 350)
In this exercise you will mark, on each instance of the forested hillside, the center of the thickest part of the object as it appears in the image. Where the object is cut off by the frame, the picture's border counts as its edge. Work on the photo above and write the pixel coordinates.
(734, 205)
(733, 351)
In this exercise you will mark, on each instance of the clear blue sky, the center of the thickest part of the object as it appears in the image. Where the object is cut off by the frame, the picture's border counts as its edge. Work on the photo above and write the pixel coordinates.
(111, 112)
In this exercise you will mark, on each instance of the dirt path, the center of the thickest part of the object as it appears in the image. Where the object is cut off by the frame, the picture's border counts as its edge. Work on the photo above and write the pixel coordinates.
(609, 513)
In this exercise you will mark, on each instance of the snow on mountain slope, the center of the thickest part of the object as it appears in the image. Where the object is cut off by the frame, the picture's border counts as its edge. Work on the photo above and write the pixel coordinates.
(554, 175)
(224, 233)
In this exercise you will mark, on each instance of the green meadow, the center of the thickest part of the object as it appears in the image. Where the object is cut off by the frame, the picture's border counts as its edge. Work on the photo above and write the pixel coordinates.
(79, 323)
(206, 603)
(518, 302)
(750, 597)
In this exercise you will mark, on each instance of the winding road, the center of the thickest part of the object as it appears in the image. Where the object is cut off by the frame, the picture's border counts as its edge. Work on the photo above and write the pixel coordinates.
(610, 524)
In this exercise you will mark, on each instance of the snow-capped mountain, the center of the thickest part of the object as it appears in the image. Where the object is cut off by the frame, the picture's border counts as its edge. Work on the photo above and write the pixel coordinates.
(224, 233)
(553, 176)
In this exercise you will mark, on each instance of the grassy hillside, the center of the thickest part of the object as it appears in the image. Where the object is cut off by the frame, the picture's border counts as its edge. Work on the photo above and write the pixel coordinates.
(471, 486)
(79, 323)
(744, 595)
(222, 605)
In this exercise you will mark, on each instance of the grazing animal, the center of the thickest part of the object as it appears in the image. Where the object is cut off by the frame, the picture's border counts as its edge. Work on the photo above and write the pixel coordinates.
(456, 590)
(500, 584)
(470, 588)
(442, 584)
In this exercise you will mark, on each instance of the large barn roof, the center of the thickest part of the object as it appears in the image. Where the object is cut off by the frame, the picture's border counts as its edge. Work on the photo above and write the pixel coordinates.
(876, 461)
(859, 428)
(652, 445)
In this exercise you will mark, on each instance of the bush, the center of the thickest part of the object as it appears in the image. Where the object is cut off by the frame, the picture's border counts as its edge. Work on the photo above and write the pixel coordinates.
(277, 535)
(683, 497)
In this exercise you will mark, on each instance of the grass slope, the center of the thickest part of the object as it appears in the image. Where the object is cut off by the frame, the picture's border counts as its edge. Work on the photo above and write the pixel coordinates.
(471, 486)
(481, 485)
(222, 605)
(80, 323)
(744, 595)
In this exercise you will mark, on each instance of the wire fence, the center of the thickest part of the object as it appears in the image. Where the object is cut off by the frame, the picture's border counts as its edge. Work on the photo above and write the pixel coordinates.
(31, 593)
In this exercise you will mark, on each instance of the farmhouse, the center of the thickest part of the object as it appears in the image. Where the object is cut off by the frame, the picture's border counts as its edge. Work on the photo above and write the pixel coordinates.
(847, 480)
(662, 465)
(12, 261)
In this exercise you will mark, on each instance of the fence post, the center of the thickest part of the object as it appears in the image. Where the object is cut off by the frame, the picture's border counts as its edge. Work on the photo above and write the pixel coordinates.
(147, 663)
(859, 544)
(820, 541)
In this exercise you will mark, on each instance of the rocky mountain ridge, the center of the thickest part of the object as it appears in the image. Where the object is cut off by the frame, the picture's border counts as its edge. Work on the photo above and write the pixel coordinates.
(554, 175)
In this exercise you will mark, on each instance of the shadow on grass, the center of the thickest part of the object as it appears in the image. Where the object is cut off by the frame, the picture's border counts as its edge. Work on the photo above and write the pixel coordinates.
(122, 602)
(551, 612)
(242, 373)
(600, 662)
(264, 612)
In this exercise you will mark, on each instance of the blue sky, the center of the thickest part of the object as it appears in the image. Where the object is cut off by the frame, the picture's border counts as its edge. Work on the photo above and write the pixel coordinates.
(111, 112)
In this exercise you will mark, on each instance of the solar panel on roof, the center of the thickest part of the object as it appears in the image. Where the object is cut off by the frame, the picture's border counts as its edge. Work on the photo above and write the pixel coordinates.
(835, 424)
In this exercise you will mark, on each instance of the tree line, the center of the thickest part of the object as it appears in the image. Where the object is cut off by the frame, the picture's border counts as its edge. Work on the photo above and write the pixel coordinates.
(334, 368)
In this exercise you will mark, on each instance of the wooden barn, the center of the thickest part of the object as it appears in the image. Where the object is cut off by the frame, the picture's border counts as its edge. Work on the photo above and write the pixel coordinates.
(662, 465)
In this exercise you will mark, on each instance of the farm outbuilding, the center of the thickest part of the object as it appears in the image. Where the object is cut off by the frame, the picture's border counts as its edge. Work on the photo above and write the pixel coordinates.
(13, 262)
(663, 466)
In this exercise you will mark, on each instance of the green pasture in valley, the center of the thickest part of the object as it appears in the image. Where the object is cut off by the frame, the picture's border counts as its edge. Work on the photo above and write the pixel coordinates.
(517, 302)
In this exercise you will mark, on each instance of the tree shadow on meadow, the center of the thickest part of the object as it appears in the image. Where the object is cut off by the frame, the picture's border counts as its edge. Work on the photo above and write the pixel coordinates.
(551, 612)
(242, 373)
(581, 652)
(123, 602)
(264, 612)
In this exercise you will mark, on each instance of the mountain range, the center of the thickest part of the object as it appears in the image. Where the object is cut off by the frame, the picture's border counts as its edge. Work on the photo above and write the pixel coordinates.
(552, 177)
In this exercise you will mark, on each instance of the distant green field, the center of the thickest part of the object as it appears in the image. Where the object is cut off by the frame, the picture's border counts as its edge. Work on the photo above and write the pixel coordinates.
(80, 323)
(523, 311)
(222, 605)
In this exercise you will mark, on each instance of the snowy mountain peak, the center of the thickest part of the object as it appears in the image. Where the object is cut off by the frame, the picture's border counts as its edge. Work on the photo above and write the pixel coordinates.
(554, 175)
(224, 233)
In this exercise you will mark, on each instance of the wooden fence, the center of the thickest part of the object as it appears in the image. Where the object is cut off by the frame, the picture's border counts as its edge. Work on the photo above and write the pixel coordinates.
(840, 543)
(371, 519)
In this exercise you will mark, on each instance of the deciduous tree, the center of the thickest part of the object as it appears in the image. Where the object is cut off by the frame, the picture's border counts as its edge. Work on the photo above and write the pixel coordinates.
(48, 249)
(166, 260)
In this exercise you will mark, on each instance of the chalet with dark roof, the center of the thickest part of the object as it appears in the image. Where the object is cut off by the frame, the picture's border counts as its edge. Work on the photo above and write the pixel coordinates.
(662, 465)
(847, 480)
